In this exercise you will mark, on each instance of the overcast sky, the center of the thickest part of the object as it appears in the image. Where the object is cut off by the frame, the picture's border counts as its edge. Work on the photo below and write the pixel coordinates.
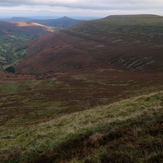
(90, 8)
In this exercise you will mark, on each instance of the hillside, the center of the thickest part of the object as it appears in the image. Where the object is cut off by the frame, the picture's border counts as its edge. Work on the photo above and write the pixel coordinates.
(90, 93)
(123, 42)
(60, 23)
(14, 39)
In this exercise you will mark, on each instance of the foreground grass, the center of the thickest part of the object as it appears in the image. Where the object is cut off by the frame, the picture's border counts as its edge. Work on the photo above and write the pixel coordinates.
(24, 143)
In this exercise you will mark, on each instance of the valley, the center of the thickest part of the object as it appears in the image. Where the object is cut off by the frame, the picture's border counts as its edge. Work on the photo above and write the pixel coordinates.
(89, 93)
(15, 38)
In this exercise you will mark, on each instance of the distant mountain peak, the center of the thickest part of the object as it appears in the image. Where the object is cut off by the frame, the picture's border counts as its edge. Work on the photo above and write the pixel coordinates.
(65, 17)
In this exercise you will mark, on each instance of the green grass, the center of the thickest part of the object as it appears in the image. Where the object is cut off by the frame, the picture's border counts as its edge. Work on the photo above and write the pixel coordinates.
(20, 142)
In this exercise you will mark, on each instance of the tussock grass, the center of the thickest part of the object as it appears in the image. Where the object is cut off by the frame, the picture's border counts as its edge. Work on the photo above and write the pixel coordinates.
(20, 143)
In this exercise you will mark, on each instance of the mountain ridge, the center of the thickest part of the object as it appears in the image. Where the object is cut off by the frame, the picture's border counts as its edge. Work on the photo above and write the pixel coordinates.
(99, 43)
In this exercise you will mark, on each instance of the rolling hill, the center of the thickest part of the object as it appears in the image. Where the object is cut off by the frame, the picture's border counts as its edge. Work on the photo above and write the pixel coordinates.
(14, 39)
(132, 42)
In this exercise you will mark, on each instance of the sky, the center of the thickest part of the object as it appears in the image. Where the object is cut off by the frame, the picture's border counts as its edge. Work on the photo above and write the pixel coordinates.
(84, 8)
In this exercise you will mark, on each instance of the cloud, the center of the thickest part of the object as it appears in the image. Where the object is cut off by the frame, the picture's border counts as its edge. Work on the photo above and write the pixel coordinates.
(82, 7)
(88, 4)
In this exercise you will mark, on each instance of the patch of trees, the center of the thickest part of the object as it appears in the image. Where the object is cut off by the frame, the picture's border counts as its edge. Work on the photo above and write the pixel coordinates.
(10, 69)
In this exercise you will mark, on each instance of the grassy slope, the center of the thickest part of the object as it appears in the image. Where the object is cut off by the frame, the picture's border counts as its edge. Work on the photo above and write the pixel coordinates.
(46, 119)
(129, 128)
